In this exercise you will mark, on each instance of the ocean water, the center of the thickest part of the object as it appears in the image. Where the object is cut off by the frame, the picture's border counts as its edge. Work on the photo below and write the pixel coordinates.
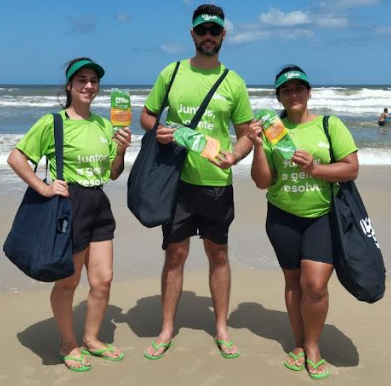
(357, 106)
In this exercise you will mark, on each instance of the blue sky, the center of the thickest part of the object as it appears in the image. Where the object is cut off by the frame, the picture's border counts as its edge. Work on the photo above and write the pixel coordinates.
(335, 41)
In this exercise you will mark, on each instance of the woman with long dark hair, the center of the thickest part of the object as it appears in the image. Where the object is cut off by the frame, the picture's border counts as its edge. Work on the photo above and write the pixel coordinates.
(299, 198)
(92, 156)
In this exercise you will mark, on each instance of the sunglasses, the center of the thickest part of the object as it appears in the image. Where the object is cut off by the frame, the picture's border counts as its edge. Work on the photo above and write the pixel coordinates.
(214, 30)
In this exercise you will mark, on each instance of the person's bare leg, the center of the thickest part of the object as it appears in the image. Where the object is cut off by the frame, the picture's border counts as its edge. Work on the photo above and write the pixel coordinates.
(171, 287)
(220, 287)
(61, 300)
(99, 264)
(314, 307)
(293, 296)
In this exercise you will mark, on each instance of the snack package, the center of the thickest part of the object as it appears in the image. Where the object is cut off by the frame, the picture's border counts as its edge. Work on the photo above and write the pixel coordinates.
(276, 133)
(196, 142)
(121, 113)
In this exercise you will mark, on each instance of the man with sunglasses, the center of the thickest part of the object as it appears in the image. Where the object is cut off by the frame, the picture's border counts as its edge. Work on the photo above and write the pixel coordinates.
(205, 197)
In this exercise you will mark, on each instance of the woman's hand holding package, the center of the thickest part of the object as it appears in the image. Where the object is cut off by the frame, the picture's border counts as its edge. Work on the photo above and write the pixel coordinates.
(122, 138)
(255, 133)
(305, 161)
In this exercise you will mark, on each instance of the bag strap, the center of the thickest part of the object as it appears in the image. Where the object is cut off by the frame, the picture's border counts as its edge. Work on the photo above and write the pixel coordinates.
(332, 158)
(59, 144)
(201, 110)
(326, 131)
(165, 99)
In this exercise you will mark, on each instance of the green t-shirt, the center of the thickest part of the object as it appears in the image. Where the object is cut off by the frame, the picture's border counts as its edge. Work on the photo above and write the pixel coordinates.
(294, 191)
(229, 103)
(88, 148)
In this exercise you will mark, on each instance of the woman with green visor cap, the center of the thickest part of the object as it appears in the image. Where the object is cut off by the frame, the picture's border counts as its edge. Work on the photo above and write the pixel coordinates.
(299, 199)
(92, 156)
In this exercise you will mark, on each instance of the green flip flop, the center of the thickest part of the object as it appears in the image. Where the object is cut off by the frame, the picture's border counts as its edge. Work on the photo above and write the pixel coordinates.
(315, 366)
(228, 344)
(99, 353)
(156, 347)
(79, 369)
(295, 357)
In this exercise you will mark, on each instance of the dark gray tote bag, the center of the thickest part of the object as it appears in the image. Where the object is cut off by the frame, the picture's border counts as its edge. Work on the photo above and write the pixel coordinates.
(357, 257)
(40, 240)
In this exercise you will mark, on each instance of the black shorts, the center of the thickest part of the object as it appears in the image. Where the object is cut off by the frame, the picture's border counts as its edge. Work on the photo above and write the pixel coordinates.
(381, 123)
(92, 217)
(204, 210)
(298, 238)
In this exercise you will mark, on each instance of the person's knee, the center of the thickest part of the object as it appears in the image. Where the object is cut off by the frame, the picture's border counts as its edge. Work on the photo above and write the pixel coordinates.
(102, 283)
(217, 254)
(292, 282)
(314, 289)
(176, 256)
(69, 284)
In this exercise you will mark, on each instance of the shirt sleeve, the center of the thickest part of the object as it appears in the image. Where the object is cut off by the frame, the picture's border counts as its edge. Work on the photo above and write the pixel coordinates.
(342, 140)
(39, 138)
(156, 96)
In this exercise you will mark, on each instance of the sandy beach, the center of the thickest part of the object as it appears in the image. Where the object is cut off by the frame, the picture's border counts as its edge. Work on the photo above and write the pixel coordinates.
(355, 341)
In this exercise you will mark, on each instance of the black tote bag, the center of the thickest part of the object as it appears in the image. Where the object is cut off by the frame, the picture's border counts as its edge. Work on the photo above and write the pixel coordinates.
(357, 257)
(40, 240)
(154, 178)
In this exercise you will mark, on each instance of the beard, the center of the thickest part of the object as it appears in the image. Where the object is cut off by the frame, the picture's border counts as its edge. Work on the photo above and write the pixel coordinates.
(211, 51)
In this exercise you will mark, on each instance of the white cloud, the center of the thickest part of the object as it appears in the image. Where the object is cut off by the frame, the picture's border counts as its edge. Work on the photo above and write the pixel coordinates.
(248, 36)
(229, 26)
(296, 34)
(172, 48)
(123, 17)
(286, 25)
(331, 21)
(289, 19)
(343, 4)
(357, 3)
(251, 35)
(383, 30)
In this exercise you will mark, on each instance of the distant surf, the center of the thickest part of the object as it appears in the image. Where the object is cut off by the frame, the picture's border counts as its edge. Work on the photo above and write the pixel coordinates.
(358, 106)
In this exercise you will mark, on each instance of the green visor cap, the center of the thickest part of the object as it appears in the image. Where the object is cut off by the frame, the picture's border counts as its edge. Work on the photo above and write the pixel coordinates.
(85, 64)
(291, 75)
(208, 19)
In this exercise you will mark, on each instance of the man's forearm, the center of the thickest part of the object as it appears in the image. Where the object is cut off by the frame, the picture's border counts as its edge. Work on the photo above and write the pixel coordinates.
(147, 119)
(242, 148)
